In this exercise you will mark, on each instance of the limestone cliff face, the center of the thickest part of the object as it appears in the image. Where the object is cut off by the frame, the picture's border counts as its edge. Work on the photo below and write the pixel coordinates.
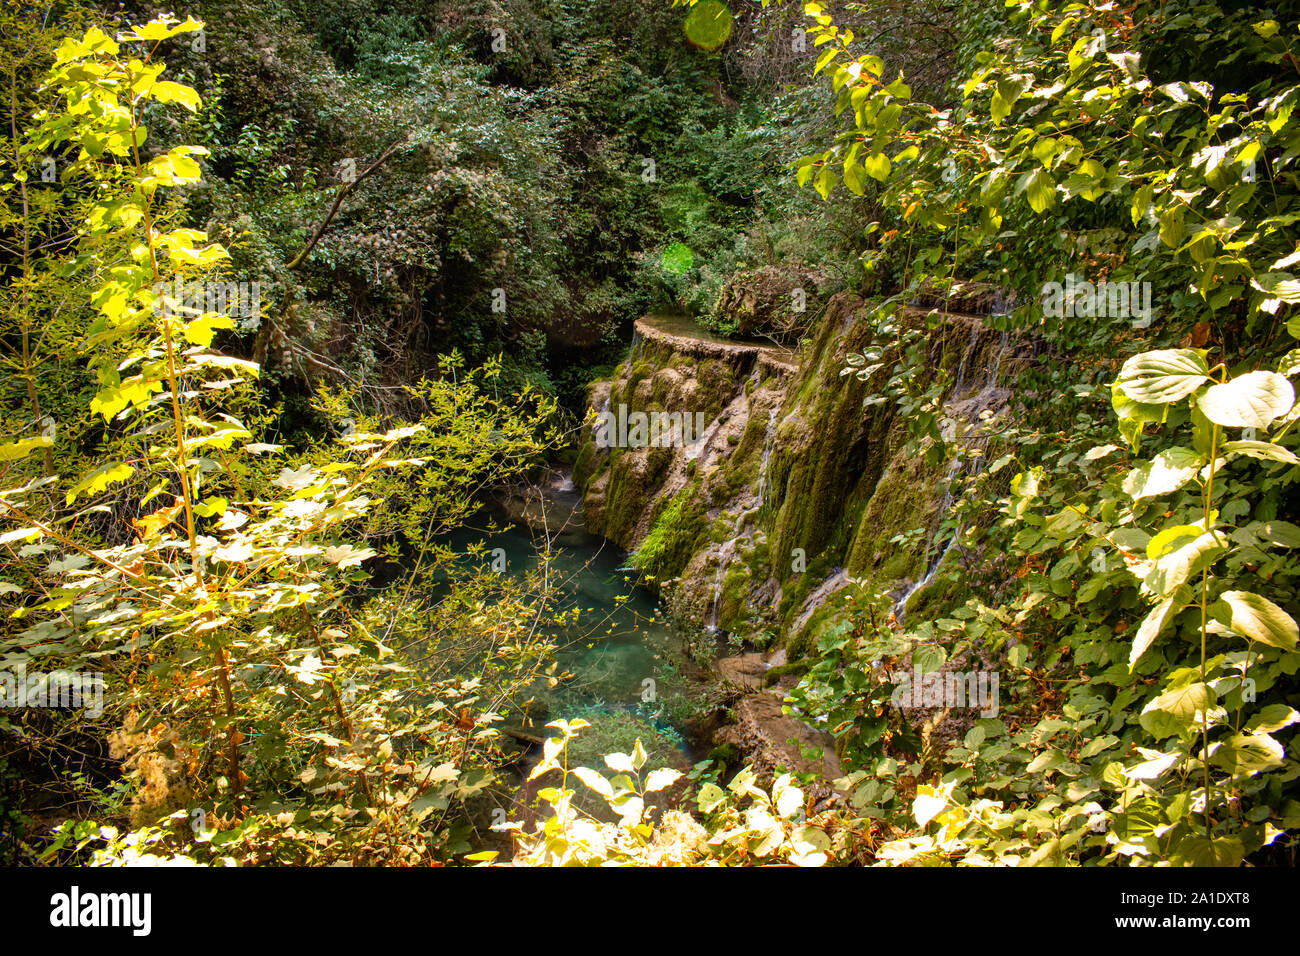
(786, 509)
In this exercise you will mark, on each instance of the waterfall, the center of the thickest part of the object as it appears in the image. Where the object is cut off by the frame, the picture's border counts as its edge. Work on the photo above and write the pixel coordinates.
(985, 395)
(932, 567)
(728, 549)
(966, 356)
(768, 443)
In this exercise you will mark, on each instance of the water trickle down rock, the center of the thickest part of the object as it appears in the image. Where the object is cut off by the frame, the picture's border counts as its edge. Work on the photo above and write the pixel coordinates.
(970, 414)
(822, 474)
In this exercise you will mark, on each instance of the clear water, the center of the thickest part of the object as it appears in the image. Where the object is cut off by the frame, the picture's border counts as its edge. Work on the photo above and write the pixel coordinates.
(621, 652)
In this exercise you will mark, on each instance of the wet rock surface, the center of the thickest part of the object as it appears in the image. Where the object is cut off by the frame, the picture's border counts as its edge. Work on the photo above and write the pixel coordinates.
(771, 740)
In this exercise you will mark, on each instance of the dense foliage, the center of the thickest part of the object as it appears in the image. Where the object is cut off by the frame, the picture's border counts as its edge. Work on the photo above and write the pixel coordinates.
(451, 213)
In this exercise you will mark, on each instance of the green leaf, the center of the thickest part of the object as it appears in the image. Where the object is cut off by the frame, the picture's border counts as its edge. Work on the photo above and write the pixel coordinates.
(824, 182)
(853, 178)
(661, 778)
(23, 447)
(1272, 717)
(709, 798)
(1176, 567)
(201, 330)
(1245, 755)
(594, 780)
(1252, 400)
(1257, 618)
(620, 762)
(1165, 473)
(1169, 539)
(927, 805)
(1278, 285)
(1163, 376)
(1176, 710)
(1156, 621)
(1263, 450)
(1196, 849)
(1140, 203)
(100, 479)
(787, 798)
(805, 170)
(877, 166)
(1039, 189)
(165, 91)
(1172, 229)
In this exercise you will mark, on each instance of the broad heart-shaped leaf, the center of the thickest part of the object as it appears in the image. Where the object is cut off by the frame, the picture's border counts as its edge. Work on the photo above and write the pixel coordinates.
(1039, 189)
(1177, 709)
(1163, 376)
(1171, 539)
(663, 777)
(709, 798)
(1263, 450)
(877, 166)
(1245, 755)
(1167, 472)
(927, 805)
(1196, 850)
(853, 178)
(1272, 717)
(594, 780)
(1252, 400)
(1278, 285)
(1176, 567)
(1257, 618)
(1156, 621)
(1153, 766)
(787, 798)
(620, 762)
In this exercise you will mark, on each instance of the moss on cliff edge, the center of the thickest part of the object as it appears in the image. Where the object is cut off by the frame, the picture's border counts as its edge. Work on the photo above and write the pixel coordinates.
(678, 532)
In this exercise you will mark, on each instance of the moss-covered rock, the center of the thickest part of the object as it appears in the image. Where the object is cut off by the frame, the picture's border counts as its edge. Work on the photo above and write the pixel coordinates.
(801, 484)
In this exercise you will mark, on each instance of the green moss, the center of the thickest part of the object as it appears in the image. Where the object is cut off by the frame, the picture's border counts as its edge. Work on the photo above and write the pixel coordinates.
(658, 459)
(715, 383)
(732, 606)
(628, 492)
(582, 468)
(640, 372)
(905, 498)
(945, 590)
(675, 536)
(722, 528)
(792, 668)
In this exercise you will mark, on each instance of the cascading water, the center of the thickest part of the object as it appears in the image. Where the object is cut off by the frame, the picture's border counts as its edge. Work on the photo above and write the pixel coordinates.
(768, 443)
(728, 549)
(985, 395)
(932, 567)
